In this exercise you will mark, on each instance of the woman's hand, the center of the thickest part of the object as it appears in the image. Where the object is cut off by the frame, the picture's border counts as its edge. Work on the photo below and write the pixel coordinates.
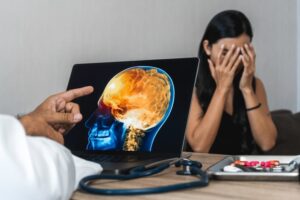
(248, 59)
(223, 70)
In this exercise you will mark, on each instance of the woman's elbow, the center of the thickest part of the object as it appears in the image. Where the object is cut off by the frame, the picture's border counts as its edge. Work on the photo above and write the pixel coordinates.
(199, 148)
(270, 144)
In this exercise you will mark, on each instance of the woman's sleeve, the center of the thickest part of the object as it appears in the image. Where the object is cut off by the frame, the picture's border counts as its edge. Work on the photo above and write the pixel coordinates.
(37, 167)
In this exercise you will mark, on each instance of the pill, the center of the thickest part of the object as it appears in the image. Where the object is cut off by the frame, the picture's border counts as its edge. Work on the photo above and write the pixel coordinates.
(230, 168)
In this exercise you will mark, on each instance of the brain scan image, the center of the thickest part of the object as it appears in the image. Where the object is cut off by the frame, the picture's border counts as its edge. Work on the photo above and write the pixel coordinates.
(132, 108)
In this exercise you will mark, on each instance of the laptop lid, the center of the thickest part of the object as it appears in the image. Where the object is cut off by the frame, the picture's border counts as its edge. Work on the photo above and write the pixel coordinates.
(137, 107)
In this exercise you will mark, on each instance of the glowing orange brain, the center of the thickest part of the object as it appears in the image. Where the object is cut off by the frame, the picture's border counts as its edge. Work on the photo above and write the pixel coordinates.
(137, 97)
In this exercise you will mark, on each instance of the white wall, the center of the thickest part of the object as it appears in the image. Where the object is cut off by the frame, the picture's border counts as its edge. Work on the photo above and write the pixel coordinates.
(40, 40)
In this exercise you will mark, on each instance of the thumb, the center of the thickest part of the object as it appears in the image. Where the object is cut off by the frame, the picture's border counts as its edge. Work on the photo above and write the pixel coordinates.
(47, 131)
(212, 69)
(68, 118)
(54, 135)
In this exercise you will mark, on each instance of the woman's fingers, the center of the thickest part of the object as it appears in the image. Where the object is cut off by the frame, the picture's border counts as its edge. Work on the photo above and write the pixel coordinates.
(233, 58)
(236, 63)
(228, 56)
(219, 58)
(245, 62)
(250, 51)
(252, 55)
(245, 55)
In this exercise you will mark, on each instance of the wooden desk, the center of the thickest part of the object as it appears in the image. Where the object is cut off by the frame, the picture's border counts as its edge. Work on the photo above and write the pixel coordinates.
(215, 190)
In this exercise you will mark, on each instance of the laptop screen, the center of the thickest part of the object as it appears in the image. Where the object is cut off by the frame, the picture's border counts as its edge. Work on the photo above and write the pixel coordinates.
(136, 106)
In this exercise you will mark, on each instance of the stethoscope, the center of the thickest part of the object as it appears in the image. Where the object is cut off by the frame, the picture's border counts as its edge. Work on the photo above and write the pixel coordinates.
(190, 167)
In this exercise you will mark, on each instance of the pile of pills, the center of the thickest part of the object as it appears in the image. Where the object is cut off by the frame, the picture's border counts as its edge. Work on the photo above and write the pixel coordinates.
(255, 163)
(254, 166)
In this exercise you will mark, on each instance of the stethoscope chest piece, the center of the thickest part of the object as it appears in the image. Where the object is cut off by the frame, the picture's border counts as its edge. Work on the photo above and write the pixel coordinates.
(186, 166)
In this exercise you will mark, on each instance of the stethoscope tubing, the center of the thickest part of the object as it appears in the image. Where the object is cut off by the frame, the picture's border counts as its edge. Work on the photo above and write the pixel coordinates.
(143, 172)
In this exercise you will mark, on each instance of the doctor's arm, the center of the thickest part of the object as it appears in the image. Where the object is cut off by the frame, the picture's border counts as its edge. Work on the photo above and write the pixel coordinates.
(39, 167)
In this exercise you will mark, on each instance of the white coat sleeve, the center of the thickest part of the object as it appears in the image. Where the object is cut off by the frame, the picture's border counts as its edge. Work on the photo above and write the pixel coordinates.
(37, 167)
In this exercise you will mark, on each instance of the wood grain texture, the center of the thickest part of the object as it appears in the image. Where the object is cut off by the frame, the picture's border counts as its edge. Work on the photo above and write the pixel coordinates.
(215, 190)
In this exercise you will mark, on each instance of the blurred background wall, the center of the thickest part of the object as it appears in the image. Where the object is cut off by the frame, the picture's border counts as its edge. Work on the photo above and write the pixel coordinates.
(40, 41)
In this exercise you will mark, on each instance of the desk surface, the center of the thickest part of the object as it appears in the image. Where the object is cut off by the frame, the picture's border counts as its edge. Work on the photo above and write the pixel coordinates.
(215, 190)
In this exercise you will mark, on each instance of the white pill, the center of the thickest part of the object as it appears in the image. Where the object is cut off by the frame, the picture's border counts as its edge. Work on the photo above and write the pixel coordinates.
(230, 168)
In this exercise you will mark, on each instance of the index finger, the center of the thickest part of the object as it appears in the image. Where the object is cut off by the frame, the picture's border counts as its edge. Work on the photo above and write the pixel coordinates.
(75, 93)
(220, 54)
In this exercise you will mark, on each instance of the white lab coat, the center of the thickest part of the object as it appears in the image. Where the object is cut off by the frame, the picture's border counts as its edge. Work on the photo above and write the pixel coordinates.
(36, 168)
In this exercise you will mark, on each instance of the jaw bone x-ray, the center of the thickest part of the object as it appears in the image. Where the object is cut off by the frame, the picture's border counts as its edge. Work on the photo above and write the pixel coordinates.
(132, 108)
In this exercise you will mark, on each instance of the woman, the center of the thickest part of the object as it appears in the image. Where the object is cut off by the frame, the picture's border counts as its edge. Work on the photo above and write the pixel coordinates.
(229, 111)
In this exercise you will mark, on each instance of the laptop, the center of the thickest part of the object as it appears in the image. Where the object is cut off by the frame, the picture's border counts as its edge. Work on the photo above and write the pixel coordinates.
(137, 113)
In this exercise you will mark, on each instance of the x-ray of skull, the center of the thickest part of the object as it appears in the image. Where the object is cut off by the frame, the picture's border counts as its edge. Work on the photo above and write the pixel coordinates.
(132, 108)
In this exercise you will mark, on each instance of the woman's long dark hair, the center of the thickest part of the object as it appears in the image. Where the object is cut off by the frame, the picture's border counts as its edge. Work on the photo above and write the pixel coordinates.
(227, 24)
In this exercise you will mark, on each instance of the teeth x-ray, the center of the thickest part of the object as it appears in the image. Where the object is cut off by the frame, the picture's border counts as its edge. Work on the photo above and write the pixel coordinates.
(132, 108)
